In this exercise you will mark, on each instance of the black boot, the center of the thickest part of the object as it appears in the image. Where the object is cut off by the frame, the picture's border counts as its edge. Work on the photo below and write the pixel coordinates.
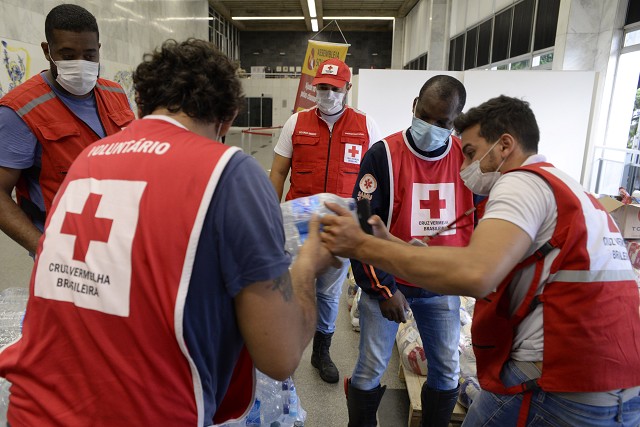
(321, 360)
(437, 406)
(363, 405)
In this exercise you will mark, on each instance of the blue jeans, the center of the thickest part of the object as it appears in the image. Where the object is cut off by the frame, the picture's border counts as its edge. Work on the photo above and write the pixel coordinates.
(438, 321)
(547, 409)
(328, 291)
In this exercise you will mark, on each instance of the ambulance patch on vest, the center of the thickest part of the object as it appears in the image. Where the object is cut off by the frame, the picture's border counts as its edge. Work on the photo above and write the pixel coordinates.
(368, 184)
(94, 219)
(433, 206)
(352, 153)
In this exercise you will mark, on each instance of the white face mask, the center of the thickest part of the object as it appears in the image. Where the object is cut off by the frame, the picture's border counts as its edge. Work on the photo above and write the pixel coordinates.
(77, 76)
(480, 182)
(329, 102)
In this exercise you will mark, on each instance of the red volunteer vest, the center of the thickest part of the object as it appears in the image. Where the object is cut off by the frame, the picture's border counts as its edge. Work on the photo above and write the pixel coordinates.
(436, 193)
(60, 132)
(323, 161)
(102, 342)
(590, 304)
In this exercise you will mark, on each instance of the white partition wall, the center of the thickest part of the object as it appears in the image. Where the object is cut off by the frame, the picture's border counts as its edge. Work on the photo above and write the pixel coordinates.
(561, 100)
(387, 95)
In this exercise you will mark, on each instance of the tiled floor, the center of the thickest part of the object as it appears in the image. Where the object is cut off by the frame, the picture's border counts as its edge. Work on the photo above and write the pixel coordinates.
(325, 403)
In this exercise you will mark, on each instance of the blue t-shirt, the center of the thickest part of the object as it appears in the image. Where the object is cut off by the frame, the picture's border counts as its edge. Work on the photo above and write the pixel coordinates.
(19, 148)
(242, 242)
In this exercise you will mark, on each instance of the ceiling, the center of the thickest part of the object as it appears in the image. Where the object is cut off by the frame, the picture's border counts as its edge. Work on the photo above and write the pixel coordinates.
(324, 8)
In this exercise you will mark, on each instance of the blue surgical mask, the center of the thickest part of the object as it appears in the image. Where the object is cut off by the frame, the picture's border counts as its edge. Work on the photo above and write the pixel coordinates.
(428, 137)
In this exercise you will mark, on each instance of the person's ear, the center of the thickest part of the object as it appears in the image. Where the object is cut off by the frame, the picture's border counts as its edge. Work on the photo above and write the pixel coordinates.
(507, 144)
(45, 50)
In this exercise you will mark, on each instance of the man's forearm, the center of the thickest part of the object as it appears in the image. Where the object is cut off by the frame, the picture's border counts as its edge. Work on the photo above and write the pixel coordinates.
(303, 280)
(17, 225)
(443, 270)
(277, 180)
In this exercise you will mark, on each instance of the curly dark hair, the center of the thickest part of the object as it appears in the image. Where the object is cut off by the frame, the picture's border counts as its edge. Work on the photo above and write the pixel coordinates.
(69, 17)
(193, 77)
(446, 88)
(500, 115)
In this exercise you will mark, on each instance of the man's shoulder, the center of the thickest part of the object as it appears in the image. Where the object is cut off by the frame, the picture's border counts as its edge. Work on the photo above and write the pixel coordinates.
(356, 111)
(32, 86)
(109, 86)
(395, 138)
(107, 82)
(377, 153)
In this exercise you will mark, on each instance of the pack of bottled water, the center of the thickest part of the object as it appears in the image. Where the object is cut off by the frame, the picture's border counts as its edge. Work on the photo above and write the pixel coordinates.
(13, 302)
(276, 405)
(296, 214)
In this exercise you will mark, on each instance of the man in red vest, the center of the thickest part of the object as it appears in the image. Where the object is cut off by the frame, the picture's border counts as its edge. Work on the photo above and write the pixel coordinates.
(161, 278)
(323, 147)
(412, 180)
(48, 120)
(556, 327)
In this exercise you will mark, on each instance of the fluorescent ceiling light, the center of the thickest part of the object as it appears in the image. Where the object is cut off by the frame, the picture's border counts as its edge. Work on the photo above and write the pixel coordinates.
(186, 18)
(129, 11)
(361, 18)
(267, 18)
(314, 24)
(162, 27)
(312, 8)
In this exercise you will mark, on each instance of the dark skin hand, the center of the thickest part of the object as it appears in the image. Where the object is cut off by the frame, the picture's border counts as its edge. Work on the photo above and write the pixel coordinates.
(394, 308)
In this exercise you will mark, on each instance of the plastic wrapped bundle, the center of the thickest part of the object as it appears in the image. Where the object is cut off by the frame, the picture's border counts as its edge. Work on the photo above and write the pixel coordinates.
(276, 405)
(469, 389)
(13, 302)
(468, 303)
(354, 312)
(352, 289)
(296, 214)
(410, 347)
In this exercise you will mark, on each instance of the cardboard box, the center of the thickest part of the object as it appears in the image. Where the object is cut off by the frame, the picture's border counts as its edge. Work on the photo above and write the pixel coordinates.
(626, 216)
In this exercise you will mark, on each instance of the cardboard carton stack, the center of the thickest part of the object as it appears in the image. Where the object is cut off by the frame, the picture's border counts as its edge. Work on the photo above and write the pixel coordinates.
(627, 217)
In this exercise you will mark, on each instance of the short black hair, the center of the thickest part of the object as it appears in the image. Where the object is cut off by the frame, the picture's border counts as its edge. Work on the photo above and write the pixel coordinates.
(193, 77)
(69, 17)
(501, 115)
(446, 87)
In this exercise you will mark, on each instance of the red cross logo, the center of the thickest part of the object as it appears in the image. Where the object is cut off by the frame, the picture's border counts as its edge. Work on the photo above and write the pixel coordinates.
(86, 227)
(435, 204)
(353, 151)
(368, 184)
(330, 69)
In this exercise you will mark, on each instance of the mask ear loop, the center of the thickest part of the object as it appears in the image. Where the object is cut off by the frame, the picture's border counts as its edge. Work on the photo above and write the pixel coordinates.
(218, 137)
(51, 57)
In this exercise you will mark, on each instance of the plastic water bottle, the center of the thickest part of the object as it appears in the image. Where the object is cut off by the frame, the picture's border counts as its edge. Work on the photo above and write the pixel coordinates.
(253, 419)
(13, 302)
(293, 401)
(268, 391)
(286, 408)
(296, 214)
(4, 400)
(292, 412)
